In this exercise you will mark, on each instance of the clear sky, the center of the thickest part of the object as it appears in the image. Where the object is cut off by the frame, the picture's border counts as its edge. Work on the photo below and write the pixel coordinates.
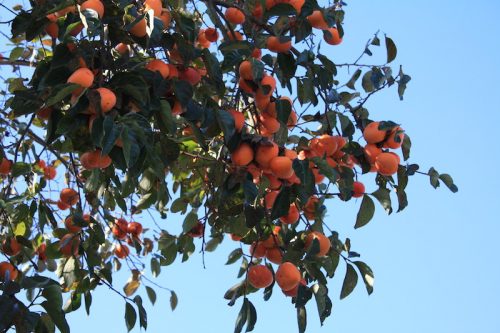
(436, 264)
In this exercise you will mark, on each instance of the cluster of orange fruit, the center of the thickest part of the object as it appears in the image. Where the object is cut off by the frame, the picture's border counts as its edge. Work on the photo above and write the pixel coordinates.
(288, 276)
(382, 161)
(120, 230)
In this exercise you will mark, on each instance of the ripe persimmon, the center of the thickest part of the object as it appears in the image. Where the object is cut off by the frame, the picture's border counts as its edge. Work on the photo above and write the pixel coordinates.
(242, 155)
(267, 84)
(134, 228)
(122, 48)
(165, 18)
(190, 75)
(95, 160)
(287, 276)
(256, 53)
(108, 99)
(281, 166)
(52, 29)
(271, 124)
(234, 36)
(395, 138)
(324, 242)
(44, 113)
(257, 250)
(172, 71)
(239, 119)
(5, 166)
(234, 16)
(82, 76)
(155, 5)
(309, 208)
(69, 196)
(270, 198)
(246, 86)
(358, 189)
(157, 65)
(69, 244)
(387, 163)
(49, 172)
(293, 292)
(274, 182)
(274, 44)
(211, 34)
(120, 228)
(62, 206)
(372, 134)
(245, 70)
(121, 251)
(371, 152)
(259, 276)
(11, 247)
(261, 100)
(7, 270)
(317, 20)
(95, 5)
(139, 28)
(292, 216)
(331, 36)
(274, 255)
(72, 227)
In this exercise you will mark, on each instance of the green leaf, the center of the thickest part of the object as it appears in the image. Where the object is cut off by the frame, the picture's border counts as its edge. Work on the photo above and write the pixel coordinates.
(365, 213)
(226, 123)
(234, 256)
(190, 221)
(434, 177)
(155, 266)
(143, 318)
(448, 181)
(88, 301)
(20, 168)
(383, 196)
(282, 203)
(302, 319)
(53, 306)
(130, 316)
(354, 78)
(392, 51)
(60, 93)
(242, 317)
(350, 281)
(166, 118)
(286, 63)
(406, 147)
(323, 302)
(183, 91)
(283, 109)
(173, 300)
(251, 318)
(367, 275)
(151, 294)
(367, 83)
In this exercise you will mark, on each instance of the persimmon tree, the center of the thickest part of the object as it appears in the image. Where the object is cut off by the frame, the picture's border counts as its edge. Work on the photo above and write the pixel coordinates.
(236, 114)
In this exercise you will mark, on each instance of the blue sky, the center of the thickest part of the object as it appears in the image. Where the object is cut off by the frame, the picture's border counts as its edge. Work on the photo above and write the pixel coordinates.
(436, 263)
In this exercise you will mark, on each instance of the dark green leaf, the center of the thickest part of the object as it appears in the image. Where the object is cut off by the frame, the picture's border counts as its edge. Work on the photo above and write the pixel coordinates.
(60, 93)
(242, 317)
(130, 316)
(383, 196)
(282, 204)
(366, 274)
(405, 147)
(151, 295)
(350, 281)
(251, 318)
(173, 300)
(323, 302)
(448, 181)
(302, 319)
(391, 49)
(365, 213)
(353, 79)
(190, 221)
(234, 256)
(434, 177)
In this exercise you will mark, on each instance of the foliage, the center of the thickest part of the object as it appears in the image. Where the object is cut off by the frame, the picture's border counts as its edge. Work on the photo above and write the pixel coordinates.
(130, 108)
